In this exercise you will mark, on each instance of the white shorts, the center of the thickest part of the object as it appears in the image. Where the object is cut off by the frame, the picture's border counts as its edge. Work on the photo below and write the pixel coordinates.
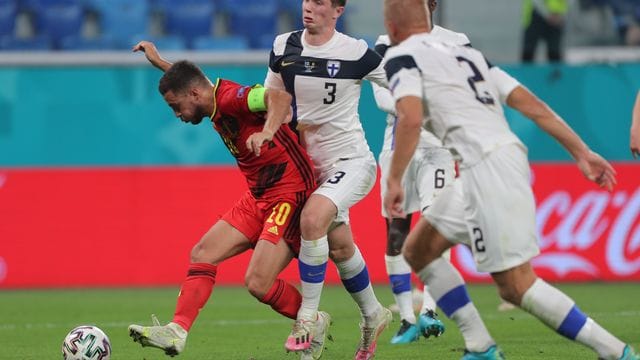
(491, 209)
(429, 171)
(347, 182)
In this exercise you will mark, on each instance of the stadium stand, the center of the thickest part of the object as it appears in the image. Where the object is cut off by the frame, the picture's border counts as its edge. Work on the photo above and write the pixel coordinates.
(189, 18)
(228, 43)
(8, 12)
(57, 19)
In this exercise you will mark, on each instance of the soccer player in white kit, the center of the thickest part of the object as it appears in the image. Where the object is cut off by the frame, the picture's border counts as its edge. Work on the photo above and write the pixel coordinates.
(323, 69)
(430, 169)
(492, 208)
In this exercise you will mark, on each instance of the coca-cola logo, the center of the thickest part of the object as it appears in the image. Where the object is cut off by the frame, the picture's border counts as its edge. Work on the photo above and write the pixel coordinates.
(3, 180)
(569, 228)
(592, 234)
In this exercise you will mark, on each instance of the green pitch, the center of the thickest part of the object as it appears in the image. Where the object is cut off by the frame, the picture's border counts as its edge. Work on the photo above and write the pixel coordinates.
(236, 326)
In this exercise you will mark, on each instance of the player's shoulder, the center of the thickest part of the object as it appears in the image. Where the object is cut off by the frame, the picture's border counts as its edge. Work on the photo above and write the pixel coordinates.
(281, 41)
(446, 35)
(349, 47)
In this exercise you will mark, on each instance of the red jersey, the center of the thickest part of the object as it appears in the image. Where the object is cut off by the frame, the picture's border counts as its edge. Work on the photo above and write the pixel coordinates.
(283, 165)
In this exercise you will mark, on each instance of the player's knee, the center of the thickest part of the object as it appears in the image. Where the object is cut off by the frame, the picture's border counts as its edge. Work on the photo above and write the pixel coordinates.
(512, 292)
(341, 251)
(198, 253)
(313, 224)
(257, 285)
(395, 240)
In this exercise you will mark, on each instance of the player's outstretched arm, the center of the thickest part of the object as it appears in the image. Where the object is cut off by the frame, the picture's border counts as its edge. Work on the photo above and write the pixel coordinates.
(592, 165)
(152, 55)
(634, 142)
(277, 103)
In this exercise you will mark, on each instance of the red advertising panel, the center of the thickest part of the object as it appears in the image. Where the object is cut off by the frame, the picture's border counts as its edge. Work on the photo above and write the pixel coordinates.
(113, 227)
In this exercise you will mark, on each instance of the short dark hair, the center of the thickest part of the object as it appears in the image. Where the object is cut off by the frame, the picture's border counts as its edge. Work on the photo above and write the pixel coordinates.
(180, 76)
(336, 3)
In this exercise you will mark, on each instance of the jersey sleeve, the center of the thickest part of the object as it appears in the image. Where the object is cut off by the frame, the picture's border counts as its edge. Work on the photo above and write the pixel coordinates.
(234, 99)
(274, 80)
(372, 63)
(405, 78)
(504, 82)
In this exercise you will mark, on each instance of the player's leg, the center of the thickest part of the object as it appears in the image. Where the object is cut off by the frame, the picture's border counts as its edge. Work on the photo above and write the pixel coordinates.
(219, 243)
(522, 287)
(349, 182)
(279, 243)
(399, 273)
(441, 226)
(434, 170)
(355, 278)
(315, 219)
(267, 261)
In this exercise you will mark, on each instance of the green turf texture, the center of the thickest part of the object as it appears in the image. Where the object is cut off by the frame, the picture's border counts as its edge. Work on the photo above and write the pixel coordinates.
(236, 326)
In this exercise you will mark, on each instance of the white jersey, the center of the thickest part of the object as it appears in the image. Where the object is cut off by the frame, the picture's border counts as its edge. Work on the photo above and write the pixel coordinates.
(325, 82)
(460, 99)
(385, 100)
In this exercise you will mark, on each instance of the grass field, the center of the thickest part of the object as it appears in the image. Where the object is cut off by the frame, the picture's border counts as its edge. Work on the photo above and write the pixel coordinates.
(235, 326)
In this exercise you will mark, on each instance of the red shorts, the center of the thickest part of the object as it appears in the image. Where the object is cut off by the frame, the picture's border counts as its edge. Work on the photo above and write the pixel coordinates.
(269, 219)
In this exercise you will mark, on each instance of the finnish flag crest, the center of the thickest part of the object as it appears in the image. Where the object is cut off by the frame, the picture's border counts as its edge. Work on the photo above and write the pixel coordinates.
(333, 67)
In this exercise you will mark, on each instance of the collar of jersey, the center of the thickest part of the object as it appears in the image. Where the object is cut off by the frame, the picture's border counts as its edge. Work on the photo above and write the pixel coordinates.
(215, 94)
(306, 45)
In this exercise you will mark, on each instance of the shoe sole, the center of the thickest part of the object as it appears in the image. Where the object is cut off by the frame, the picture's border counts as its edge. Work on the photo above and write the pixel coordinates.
(143, 340)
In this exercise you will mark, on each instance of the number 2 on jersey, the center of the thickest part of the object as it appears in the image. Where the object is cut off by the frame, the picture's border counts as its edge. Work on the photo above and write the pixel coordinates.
(476, 78)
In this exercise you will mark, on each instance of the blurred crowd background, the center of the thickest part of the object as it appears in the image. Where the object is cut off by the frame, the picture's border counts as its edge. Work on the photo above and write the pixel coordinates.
(497, 27)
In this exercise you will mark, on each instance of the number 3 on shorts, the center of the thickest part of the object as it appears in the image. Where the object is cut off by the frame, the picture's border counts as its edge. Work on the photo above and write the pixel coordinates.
(336, 177)
(280, 213)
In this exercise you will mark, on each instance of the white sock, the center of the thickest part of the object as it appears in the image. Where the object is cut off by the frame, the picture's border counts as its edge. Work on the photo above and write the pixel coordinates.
(355, 279)
(399, 273)
(448, 289)
(312, 265)
(559, 312)
(428, 303)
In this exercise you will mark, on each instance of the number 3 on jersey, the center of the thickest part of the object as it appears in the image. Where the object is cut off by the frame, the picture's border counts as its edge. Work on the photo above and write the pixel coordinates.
(332, 88)
(280, 213)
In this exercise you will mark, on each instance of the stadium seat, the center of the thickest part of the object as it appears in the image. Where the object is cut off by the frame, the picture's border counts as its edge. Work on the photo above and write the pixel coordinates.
(293, 9)
(254, 19)
(79, 43)
(123, 19)
(8, 10)
(189, 18)
(169, 42)
(58, 19)
(36, 43)
(230, 43)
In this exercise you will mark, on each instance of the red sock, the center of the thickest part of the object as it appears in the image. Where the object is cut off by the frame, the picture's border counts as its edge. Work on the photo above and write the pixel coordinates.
(194, 293)
(283, 298)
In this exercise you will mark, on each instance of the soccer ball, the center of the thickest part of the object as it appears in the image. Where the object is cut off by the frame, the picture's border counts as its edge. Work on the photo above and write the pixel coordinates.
(86, 342)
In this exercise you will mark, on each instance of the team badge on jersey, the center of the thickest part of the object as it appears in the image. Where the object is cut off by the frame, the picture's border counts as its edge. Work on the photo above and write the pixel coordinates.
(333, 67)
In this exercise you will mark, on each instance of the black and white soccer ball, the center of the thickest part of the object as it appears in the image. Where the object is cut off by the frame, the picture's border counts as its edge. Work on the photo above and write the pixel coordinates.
(86, 342)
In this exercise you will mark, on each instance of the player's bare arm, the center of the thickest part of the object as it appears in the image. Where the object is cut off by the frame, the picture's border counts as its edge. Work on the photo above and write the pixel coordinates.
(410, 114)
(634, 142)
(278, 109)
(152, 55)
(592, 165)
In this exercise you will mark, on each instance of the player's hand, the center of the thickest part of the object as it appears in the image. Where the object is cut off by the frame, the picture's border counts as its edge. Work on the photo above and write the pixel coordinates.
(598, 170)
(634, 143)
(394, 198)
(256, 140)
(149, 50)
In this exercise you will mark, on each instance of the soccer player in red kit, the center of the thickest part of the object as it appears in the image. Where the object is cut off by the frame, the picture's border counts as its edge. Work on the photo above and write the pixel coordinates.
(266, 218)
